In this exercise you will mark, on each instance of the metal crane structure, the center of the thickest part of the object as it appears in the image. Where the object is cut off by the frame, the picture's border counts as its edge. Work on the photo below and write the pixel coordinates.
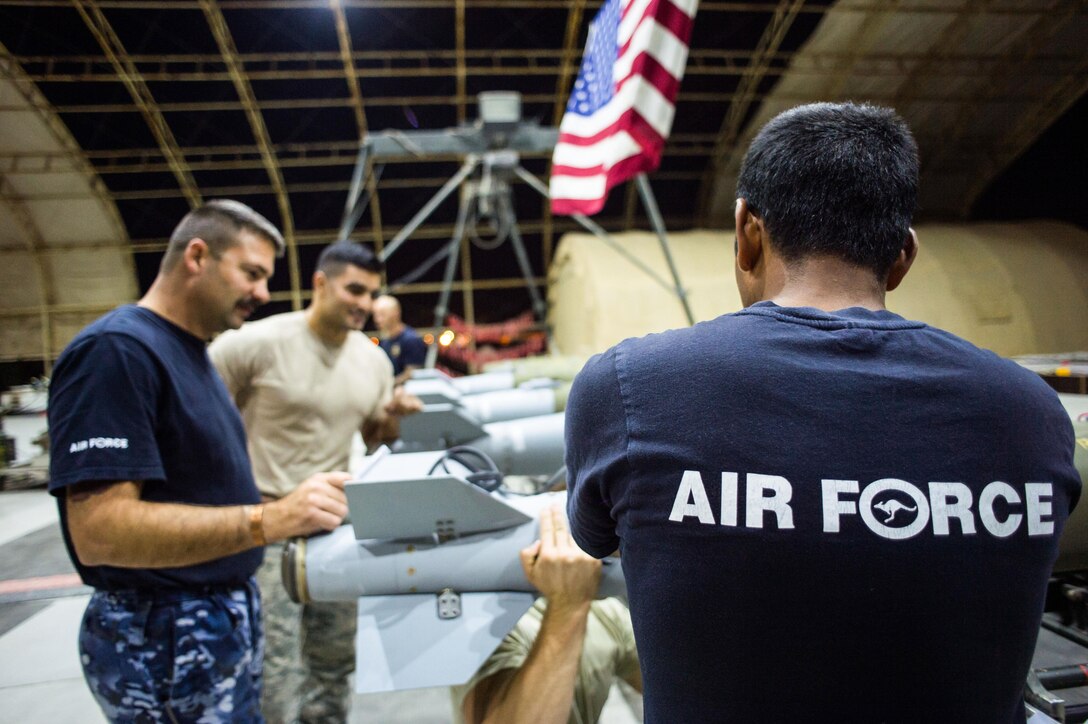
(490, 152)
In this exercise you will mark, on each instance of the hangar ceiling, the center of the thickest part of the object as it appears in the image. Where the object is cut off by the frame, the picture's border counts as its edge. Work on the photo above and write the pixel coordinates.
(118, 116)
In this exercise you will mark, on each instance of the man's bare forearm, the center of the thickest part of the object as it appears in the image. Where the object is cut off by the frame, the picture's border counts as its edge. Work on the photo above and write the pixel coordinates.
(111, 525)
(542, 691)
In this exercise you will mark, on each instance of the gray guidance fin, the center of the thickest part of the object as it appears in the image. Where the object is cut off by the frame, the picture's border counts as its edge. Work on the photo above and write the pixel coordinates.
(404, 643)
(420, 507)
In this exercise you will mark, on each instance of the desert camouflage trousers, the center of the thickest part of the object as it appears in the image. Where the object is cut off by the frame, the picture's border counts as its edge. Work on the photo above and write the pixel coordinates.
(310, 653)
(174, 656)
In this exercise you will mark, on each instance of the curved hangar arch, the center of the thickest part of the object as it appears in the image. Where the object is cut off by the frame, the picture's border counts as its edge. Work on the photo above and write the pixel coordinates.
(65, 257)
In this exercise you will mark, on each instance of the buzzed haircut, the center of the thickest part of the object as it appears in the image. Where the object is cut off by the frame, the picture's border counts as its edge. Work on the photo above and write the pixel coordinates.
(338, 255)
(390, 300)
(218, 222)
(835, 179)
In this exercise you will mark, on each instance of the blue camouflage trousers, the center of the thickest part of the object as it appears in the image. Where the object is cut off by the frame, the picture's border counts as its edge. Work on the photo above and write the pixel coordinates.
(175, 656)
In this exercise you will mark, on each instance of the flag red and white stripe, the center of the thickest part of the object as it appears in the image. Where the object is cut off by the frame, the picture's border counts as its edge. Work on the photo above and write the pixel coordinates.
(621, 108)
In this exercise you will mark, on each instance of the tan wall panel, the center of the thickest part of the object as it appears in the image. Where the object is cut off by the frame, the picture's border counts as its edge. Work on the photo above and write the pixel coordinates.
(72, 221)
(19, 287)
(597, 297)
(20, 338)
(92, 276)
(22, 130)
(1013, 288)
(12, 235)
(41, 184)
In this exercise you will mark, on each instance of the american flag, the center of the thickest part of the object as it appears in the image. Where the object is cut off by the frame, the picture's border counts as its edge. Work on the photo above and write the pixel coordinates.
(621, 109)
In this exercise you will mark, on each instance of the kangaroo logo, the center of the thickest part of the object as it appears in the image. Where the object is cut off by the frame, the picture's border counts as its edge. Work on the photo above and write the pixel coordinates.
(891, 507)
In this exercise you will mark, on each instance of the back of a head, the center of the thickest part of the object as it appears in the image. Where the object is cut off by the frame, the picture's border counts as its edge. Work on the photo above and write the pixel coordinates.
(388, 303)
(217, 223)
(834, 179)
(340, 254)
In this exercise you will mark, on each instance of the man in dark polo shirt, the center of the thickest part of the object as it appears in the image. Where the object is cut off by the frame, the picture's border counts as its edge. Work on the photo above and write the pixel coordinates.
(406, 349)
(154, 485)
(826, 512)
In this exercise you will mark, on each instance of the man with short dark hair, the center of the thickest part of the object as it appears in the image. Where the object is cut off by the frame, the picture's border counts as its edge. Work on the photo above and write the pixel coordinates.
(825, 511)
(154, 487)
(406, 349)
(305, 382)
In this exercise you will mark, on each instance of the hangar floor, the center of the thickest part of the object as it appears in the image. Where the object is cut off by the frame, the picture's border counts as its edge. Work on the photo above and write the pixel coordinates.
(42, 600)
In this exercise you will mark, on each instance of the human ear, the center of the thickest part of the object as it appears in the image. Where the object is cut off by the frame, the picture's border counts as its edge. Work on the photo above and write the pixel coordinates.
(903, 262)
(750, 237)
(196, 254)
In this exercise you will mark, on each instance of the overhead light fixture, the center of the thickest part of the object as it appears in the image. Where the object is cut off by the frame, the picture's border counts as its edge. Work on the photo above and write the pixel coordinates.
(499, 115)
(499, 106)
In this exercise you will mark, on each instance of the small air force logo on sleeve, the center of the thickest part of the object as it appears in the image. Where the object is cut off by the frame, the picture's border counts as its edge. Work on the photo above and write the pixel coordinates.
(100, 443)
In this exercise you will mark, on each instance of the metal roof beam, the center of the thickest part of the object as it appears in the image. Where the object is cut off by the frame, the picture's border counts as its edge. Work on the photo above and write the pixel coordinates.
(313, 237)
(347, 66)
(365, 60)
(541, 98)
(861, 41)
(567, 62)
(564, 72)
(460, 60)
(1038, 108)
(351, 75)
(1034, 120)
(318, 58)
(115, 51)
(298, 155)
(343, 36)
(225, 41)
(927, 7)
(247, 158)
(715, 63)
(312, 187)
(746, 95)
(951, 36)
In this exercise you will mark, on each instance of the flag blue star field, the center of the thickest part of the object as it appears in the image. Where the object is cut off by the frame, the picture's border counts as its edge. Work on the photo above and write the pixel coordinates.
(621, 108)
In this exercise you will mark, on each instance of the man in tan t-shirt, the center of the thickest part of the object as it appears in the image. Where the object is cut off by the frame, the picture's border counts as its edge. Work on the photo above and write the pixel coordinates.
(559, 663)
(304, 383)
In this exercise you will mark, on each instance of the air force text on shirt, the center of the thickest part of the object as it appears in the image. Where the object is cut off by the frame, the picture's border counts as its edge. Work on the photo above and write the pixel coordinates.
(891, 508)
(101, 443)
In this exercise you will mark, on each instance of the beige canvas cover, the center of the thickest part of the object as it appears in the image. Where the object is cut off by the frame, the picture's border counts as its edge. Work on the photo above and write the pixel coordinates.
(1015, 288)
(65, 257)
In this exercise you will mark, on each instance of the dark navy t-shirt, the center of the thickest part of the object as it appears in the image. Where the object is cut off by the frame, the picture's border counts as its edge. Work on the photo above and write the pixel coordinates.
(135, 397)
(407, 348)
(839, 516)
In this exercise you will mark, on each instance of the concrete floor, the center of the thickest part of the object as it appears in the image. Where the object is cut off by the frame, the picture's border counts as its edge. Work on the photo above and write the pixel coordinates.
(42, 601)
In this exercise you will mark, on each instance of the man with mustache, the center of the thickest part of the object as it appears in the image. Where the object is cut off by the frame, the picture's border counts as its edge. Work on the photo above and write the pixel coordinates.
(305, 382)
(155, 490)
